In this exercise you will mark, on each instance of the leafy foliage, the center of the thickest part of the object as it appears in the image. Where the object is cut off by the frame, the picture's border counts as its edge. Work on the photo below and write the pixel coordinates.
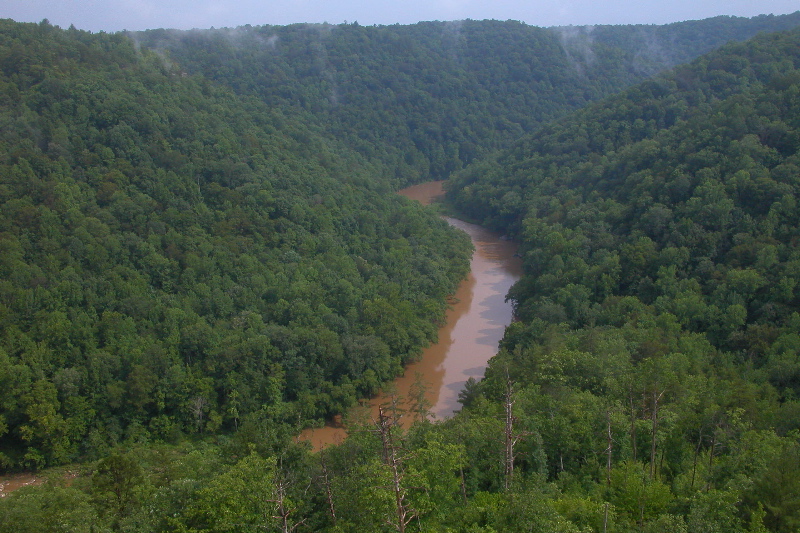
(177, 259)
(220, 254)
(658, 230)
(424, 100)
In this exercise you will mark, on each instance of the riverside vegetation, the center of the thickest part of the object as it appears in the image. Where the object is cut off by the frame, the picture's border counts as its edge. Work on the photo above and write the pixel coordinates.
(202, 253)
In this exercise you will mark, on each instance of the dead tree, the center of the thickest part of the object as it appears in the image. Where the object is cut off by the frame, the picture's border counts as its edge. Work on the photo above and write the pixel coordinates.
(511, 438)
(391, 457)
(609, 447)
(654, 416)
(384, 426)
(326, 483)
(283, 512)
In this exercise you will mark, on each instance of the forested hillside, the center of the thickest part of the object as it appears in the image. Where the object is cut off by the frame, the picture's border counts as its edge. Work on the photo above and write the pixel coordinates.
(424, 100)
(192, 267)
(656, 356)
(689, 177)
(176, 259)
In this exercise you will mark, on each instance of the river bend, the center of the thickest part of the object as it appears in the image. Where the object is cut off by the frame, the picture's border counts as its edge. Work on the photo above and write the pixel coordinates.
(474, 324)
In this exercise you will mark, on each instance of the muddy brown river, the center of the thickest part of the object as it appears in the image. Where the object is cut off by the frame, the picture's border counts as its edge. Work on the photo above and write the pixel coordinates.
(474, 325)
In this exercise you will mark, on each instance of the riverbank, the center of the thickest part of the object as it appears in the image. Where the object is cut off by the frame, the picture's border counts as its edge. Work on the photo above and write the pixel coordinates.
(473, 327)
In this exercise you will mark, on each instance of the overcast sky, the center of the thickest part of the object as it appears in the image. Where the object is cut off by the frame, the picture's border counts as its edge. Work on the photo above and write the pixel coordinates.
(115, 15)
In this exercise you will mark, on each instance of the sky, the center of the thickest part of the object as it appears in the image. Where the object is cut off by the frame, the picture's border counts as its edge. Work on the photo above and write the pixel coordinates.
(117, 15)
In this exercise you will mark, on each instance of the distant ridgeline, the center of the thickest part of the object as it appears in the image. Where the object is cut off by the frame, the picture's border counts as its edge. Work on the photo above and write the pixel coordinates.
(427, 99)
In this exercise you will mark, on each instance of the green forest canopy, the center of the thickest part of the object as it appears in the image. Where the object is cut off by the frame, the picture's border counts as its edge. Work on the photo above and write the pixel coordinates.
(423, 100)
(177, 259)
(185, 257)
(658, 309)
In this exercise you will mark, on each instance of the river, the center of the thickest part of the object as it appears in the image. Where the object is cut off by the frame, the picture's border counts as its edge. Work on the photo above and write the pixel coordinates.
(474, 324)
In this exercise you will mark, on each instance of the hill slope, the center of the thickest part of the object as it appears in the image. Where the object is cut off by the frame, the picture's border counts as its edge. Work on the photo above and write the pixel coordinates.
(424, 100)
(658, 310)
(699, 163)
(178, 259)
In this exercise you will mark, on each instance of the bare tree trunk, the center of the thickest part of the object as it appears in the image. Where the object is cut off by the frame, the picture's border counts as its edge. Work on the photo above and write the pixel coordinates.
(384, 430)
(326, 481)
(282, 511)
(656, 399)
(404, 513)
(463, 486)
(510, 440)
(633, 423)
(609, 448)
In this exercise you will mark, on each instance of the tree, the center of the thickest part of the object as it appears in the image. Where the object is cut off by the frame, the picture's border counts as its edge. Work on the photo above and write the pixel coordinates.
(778, 490)
(116, 486)
(403, 512)
(635, 495)
(243, 498)
(48, 509)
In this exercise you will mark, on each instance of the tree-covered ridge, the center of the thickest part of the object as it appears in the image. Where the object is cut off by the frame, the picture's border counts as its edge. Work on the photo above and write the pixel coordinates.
(178, 259)
(698, 166)
(655, 363)
(424, 100)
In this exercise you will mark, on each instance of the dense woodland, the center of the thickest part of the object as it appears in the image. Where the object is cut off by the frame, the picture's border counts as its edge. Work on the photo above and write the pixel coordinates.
(202, 253)
(424, 100)
(176, 259)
